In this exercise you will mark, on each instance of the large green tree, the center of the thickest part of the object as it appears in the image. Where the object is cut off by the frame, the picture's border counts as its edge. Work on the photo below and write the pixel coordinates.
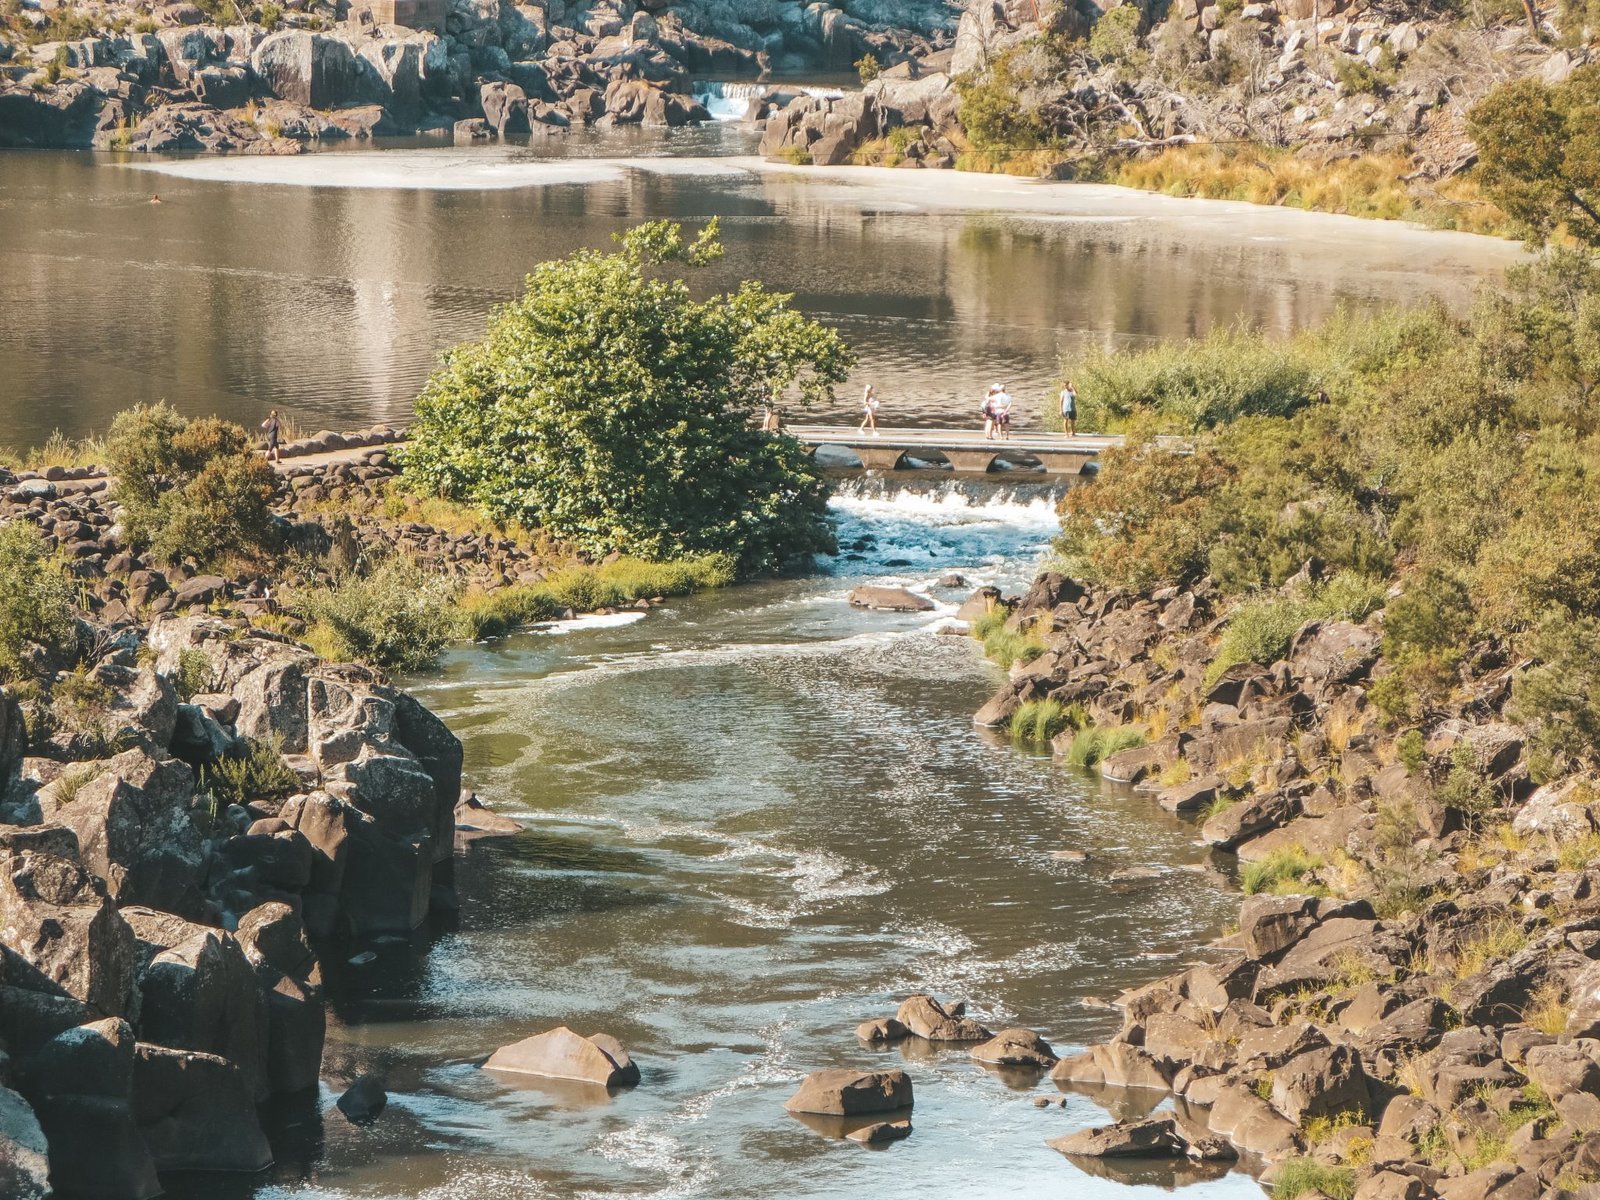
(1539, 154)
(610, 407)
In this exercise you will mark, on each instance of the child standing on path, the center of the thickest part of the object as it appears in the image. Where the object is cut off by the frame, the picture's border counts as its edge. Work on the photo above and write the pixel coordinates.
(869, 404)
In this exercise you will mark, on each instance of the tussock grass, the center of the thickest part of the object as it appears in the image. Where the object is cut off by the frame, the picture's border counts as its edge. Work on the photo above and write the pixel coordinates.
(58, 451)
(1300, 1176)
(1497, 940)
(1367, 186)
(1005, 646)
(1096, 743)
(1037, 721)
(261, 774)
(1279, 872)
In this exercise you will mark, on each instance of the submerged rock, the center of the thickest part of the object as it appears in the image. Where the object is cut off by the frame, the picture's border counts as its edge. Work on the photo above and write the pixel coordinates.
(562, 1054)
(890, 599)
(364, 1100)
(881, 1132)
(884, 1029)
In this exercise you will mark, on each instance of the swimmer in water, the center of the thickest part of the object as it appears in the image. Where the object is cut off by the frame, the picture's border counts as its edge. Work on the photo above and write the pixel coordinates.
(155, 199)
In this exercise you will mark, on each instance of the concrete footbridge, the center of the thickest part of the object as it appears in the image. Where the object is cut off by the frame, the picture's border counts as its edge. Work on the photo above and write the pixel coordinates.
(965, 450)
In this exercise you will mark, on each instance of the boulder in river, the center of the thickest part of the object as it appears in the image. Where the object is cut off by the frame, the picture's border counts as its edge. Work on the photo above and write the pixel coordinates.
(364, 1100)
(475, 820)
(562, 1054)
(927, 1018)
(1016, 1048)
(890, 599)
(846, 1093)
(884, 1029)
(880, 1132)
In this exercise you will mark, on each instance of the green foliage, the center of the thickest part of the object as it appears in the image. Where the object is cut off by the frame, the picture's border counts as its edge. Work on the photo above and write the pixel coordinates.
(1412, 749)
(391, 615)
(1466, 788)
(1299, 1176)
(610, 585)
(1539, 154)
(1561, 694)
(1115, 36)
(868, 68)
(1095, 743)
(56, 66)
(1002, 645)
(1196, 384)
(1260, 630)
(35, 604)
(271, 16)
(189, 488)
(195, 675)
(1279, 872)
(260, 773)
(996, 109)
(1037, 721)
(611, 408)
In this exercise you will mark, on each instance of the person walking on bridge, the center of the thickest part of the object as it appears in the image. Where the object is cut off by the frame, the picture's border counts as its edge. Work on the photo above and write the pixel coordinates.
(1069, 409)
(869, 405)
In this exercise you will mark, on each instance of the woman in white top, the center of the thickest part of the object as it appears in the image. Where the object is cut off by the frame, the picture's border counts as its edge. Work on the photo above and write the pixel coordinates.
(869, 405)
(1002, 412)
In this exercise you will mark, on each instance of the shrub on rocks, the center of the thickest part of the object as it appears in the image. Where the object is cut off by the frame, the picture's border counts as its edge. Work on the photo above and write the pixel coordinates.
(392, 615)
(192, 488)
(611, 408)
(36, 624)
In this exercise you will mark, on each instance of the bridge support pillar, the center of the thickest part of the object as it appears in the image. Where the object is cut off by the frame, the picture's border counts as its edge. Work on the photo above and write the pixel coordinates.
(1063, 462)
(879, 458)
(976, 461)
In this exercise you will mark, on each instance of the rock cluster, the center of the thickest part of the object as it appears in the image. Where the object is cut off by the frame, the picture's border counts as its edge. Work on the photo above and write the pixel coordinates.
(157, 972)
(484, 68)
(1409, 998)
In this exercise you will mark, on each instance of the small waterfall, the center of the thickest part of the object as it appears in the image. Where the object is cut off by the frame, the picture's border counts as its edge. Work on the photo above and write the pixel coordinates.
(729, 100)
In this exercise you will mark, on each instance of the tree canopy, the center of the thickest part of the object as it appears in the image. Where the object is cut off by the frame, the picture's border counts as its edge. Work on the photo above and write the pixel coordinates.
(610, 407)
(1539, 154)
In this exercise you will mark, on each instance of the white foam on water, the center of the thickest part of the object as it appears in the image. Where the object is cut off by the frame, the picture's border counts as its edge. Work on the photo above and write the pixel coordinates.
(729, 100)
(945, 528)
(591, 621)
(444, 169)
(472, 1183)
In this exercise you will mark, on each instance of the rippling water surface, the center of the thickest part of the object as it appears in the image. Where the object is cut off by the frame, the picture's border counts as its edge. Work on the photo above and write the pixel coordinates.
(754, 820)
(328, 283)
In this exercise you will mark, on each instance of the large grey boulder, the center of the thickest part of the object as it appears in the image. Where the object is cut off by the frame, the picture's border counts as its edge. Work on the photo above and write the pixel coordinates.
(405, 72)
(59, 931)
(274, 941)
(135, 831)
(316, 69)
(196, 1112)
(198, 991)
(24, 1153)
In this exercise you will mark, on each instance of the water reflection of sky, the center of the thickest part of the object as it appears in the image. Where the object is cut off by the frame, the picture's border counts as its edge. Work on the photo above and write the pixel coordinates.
(262, 282)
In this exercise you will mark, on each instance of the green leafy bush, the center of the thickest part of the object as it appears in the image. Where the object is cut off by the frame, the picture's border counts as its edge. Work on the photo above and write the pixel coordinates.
(392, 615)
(195, 674)
(868, 68)
(192, 488)
(1412, 750)
(611, 408)
(1561, 694)
(1115, 36)
(996, 105)
(260, 773)
(35, 605)
(1259, 632)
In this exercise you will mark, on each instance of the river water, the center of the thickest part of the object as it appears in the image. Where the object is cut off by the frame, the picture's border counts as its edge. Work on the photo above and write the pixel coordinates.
(756, 818)
(327, 284)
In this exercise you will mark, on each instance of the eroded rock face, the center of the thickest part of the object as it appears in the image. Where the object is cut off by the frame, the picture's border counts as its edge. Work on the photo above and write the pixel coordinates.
(562, 1054)
(24, 1153)
(61, 933)
(136, 833)
(315, 69)
(850, 1093)
(288, 974)
(196, 1112)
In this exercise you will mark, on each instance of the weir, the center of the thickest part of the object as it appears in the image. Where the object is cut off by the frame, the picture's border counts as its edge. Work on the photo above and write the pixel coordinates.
(965, 450)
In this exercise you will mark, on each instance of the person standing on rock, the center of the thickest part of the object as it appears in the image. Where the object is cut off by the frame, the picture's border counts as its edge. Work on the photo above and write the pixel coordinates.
(273, 427)
(869, 405)
(1069, 408)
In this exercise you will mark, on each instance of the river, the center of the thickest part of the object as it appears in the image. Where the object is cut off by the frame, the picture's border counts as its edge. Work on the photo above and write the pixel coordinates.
(327, 284)
(754, 818)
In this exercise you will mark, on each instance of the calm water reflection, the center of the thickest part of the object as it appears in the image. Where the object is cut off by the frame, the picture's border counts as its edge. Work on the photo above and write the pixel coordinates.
(240, 292)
